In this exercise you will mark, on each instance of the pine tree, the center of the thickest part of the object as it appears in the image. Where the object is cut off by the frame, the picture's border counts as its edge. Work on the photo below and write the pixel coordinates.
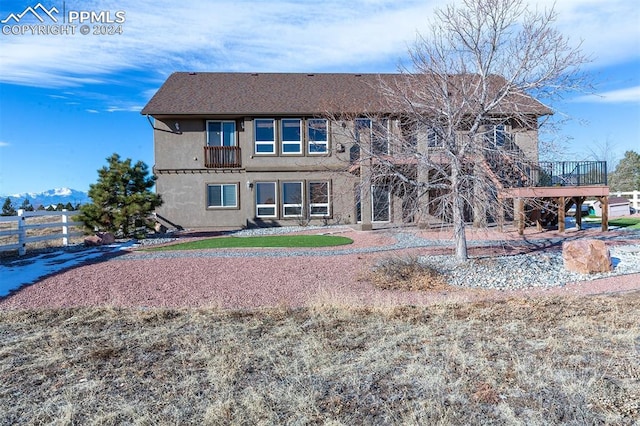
(121, 198)
(7, 208)
(626, 176)
(26, 205)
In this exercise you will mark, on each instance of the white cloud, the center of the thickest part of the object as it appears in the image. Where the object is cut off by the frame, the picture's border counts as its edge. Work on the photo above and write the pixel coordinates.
(628, 95)
(161, 36)
(280, 35)
(609, 31)
(129, 108)
(4, 144)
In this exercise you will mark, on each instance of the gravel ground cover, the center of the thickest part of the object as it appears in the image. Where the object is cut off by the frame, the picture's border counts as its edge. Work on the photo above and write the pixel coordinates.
(507, 272)
(502, 264)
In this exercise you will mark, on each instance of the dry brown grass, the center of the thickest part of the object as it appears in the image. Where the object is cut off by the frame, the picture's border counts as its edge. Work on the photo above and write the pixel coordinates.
(535, 361)
(405, 273)
(37, 232)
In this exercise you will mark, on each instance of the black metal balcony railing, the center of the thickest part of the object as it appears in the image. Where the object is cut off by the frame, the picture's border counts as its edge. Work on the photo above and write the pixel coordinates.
(516, 172)
(222, 157)
(571, 173)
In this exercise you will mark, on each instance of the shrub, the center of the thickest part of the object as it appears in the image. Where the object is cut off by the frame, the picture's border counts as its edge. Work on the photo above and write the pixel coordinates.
(406, 273)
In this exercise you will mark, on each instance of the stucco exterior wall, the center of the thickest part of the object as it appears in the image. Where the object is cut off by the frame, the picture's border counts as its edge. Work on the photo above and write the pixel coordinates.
(185, 199)
(182, 177)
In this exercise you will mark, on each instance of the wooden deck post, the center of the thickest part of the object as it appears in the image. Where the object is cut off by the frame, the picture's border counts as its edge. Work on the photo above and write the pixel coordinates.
(561, 214)
(520, 215)
(604, 203)
(538, 216)
(501, 214)
(579, 201)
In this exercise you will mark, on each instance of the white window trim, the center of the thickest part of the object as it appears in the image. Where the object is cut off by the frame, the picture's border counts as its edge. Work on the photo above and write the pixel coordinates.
(273, 206)
(499, 129)
(235, 140)
(299, 205)
(324, 143)
(287, 143)
(327, 205)
(385, 124)
(434, 140)
(373, 206)
(257, 143)
(360, 128)
(235, 206)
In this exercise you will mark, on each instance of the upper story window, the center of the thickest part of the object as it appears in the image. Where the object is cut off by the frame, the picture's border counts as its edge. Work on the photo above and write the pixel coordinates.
(363, 130)
(265, 136)
(291, 134)
(434, 138)
(380, 137)
(318, 135)
(496, 135)
(221, 133)
(375, 132)
(286, 136)
(409, 131)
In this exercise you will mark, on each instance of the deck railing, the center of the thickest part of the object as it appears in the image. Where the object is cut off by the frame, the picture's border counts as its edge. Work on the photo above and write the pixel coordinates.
(222, 157)
(517, 172)
(571, 173)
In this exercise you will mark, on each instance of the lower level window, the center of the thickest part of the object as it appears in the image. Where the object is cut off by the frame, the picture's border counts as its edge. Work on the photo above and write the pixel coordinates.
(292, 199)
(222, 195)
(265, 199)
(319, 198)
(381, 204)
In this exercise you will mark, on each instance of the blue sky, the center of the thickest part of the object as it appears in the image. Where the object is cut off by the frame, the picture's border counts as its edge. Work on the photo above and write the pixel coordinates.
(69, 101)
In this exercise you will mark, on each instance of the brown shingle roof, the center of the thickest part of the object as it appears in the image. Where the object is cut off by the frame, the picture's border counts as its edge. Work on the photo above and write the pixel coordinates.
(278, 94)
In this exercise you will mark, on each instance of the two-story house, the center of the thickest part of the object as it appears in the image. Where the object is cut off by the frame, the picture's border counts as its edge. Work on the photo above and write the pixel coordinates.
(257, 149)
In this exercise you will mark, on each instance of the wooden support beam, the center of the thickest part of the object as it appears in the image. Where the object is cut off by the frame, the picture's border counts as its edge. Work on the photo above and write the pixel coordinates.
(579, 201)
(538, 216)
(604, 202)
(520, 215)
(561, 214)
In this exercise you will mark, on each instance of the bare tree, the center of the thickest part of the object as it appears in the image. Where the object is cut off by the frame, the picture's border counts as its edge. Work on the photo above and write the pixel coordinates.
(477, 73)
(604, 151)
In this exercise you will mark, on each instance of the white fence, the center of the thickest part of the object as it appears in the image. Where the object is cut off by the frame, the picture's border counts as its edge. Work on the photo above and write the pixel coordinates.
(22, 227)
(633, 196)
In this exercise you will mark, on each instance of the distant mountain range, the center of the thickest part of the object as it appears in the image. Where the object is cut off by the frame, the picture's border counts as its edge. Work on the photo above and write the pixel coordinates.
(49, 197)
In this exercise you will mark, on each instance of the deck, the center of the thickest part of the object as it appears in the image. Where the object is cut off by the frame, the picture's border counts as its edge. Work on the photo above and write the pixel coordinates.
(565, 182)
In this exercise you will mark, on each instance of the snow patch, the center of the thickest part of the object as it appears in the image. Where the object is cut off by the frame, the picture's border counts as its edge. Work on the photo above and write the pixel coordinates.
(62, 192)
(21, 272)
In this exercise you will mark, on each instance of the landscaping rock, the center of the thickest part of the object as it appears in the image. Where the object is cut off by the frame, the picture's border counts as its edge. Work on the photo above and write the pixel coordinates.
(106, 237)
(586, 256)
(93, 241)
(101, 238)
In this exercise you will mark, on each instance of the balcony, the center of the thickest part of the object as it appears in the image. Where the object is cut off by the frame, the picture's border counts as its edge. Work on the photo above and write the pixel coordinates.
(222, 157)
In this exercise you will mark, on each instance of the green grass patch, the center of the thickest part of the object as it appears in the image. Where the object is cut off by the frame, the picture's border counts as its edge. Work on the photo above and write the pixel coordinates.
(624, 222)
(291, 241)
(627, 222)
